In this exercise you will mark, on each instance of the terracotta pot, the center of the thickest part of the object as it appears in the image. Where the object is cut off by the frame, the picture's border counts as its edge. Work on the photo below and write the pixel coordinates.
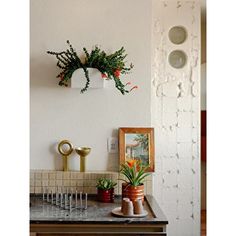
(133, 192)
(105, 195)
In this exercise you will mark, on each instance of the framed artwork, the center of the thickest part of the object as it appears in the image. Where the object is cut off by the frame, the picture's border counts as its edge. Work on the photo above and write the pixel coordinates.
(137, 144)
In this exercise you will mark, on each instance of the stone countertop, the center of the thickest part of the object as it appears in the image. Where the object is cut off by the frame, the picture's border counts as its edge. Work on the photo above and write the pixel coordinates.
(96, 213)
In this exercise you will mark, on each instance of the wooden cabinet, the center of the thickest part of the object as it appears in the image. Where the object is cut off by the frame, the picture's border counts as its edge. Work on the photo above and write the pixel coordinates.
(95, 229)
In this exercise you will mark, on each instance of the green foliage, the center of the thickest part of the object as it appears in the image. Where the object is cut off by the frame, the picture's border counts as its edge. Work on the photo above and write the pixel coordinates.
(105, 184)
(134, 171)
(143, 140)
(111, 66)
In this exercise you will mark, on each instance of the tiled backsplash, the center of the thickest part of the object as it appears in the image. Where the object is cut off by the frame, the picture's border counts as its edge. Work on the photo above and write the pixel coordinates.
(74, 180)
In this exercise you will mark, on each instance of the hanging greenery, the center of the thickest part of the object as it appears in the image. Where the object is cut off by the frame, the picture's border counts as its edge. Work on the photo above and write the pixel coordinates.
(111, 66)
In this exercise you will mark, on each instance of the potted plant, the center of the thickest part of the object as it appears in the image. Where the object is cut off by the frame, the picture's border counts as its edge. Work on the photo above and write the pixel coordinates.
(111, 66)
(105, 190)
(134, 171)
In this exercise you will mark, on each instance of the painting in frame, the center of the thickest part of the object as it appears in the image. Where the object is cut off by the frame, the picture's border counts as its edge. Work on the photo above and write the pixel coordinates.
(137, 144)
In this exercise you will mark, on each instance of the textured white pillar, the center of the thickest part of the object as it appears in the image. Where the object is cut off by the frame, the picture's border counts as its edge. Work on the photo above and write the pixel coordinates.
(176, 117)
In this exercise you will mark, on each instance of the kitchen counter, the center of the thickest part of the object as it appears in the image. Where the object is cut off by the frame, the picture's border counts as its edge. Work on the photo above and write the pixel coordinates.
(45, 218)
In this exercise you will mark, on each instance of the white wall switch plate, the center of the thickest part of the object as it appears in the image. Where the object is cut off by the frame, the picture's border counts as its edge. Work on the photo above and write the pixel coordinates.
(112, 145)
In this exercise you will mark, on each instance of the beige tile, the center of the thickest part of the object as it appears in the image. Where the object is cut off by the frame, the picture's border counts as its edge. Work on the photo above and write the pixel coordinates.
(53, 189)
(79, 189)
(114, 175)
(38, 175)
(38, 183)
(72, 189)
(38, 190)
(44, 183)
(45, 175)
(79, 183)
(31, 182)
(31, 175)
(52, 176)
(73, 175)
(79, 175)
(90, 182)
(60, 189)
(59, 182)
(59, 175)
(66, 175)
(90, 190)
(66, 183)
(31, 189)
(73, 183)
(52, 183)
(88, 176)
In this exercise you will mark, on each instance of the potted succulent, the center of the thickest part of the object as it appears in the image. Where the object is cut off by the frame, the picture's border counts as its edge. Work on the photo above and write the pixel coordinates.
(111, 66)
(105, 190)
(133, 187)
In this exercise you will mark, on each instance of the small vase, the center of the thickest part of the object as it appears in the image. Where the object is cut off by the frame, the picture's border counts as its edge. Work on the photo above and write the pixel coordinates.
(133, 192)
(105, 195)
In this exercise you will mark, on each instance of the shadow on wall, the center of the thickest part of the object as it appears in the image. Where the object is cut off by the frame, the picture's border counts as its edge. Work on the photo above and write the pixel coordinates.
(43, 72)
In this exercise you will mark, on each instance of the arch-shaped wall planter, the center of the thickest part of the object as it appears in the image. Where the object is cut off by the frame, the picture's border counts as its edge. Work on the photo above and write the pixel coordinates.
(78, 79)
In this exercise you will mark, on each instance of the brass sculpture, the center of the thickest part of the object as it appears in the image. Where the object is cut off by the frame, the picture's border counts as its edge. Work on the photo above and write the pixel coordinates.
(82, 152)
(65, 153)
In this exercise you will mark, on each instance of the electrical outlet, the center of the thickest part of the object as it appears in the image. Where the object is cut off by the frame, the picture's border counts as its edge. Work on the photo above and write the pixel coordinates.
(112, 145)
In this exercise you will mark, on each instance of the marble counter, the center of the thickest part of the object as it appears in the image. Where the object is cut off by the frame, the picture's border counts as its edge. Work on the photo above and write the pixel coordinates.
(42, 212)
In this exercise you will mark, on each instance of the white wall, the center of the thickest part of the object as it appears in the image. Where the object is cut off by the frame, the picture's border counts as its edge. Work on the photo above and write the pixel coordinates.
(175, 116)
(86, 119)
(89, 119)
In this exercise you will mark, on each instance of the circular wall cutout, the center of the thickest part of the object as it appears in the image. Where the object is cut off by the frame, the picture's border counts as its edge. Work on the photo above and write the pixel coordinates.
(177, 59)
(177, 34)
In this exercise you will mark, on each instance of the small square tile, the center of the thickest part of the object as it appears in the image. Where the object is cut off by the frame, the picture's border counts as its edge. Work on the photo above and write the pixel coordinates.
(79, 175)
(73, 175)
(38, 175)
(31, 189)
(72, 190)
(60, 189)
(31, 175)
(79, 183)
(66, 175)
(90, 190)
(44, 182)
(79, 189)
(52, 176)
(52, 183)
(66, 183)
(59, 175)
(87, 176)
(31, 182)
(38, 190)
(73, 183)
(59, 182)
(45, 175)
(38, 183)
(89, 183)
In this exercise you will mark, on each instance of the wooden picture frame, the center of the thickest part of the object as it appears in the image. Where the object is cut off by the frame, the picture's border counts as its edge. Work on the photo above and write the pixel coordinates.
(138, 144)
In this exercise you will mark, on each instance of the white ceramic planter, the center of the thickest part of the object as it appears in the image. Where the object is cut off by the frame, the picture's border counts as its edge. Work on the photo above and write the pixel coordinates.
(78, 79)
